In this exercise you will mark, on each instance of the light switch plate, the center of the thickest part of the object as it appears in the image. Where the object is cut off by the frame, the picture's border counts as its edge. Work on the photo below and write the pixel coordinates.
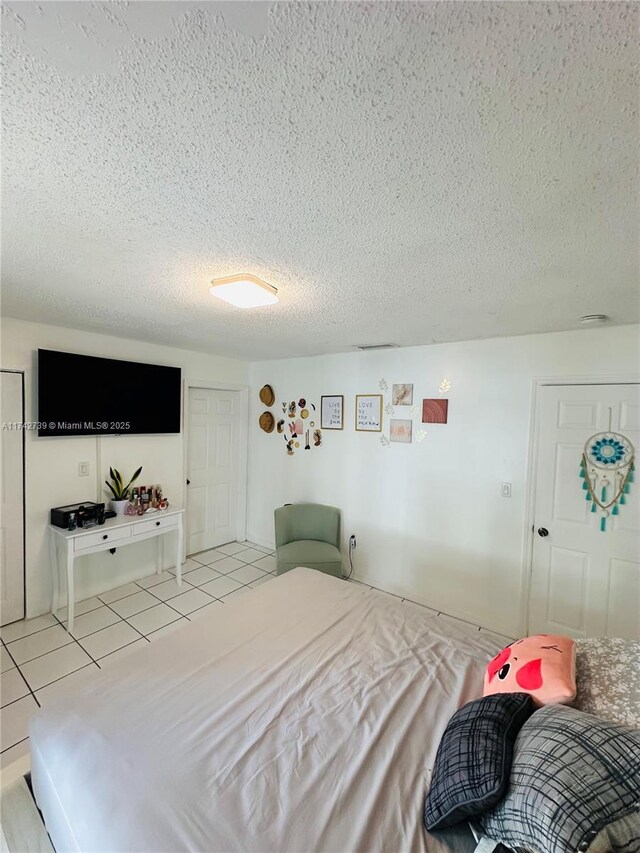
(83, 469)
(505, 490)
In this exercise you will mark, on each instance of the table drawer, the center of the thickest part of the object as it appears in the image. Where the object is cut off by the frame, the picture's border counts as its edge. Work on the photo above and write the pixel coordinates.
(155, 524)
(101, 537)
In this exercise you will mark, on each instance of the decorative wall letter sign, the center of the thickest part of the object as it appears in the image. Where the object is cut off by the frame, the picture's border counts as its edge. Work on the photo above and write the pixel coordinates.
(332, 412)
(369, 412)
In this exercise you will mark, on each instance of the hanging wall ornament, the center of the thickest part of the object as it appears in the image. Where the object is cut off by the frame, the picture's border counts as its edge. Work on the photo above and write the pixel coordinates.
(607, 472)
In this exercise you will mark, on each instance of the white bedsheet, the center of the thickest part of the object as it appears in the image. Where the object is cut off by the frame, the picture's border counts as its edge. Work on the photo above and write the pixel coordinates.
(304, 716)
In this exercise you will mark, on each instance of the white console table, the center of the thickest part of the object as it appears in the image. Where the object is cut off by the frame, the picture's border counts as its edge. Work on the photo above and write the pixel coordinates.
(114, 533)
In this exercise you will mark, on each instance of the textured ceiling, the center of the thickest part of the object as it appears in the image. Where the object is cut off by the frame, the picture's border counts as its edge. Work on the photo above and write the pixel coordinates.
(404, 172)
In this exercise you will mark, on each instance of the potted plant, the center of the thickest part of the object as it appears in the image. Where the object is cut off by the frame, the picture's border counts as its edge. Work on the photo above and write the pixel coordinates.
(119, 491)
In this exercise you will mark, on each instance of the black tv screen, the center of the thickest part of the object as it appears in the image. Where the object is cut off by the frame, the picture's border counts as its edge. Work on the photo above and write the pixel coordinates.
(85, 395)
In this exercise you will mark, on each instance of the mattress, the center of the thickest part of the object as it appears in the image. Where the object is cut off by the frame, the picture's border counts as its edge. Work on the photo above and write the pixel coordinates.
(303, 716)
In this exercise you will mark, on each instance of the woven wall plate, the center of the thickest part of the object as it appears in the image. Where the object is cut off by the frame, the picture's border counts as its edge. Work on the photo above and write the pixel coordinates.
(267, 422)
(267, 396)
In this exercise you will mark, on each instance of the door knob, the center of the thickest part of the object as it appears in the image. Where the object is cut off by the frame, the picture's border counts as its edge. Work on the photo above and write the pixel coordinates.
(188, 482)
(542, 531)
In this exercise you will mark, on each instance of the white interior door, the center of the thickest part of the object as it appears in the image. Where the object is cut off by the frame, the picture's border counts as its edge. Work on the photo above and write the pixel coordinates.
(11, 500)
(584, 582)
(212, 468)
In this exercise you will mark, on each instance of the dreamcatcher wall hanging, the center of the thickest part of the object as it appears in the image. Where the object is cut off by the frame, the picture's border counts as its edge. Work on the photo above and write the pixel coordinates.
(607, 471)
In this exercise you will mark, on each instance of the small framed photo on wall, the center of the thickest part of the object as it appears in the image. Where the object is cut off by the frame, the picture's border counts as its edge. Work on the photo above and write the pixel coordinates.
(369, 412)
(402, 395)
(332, 411)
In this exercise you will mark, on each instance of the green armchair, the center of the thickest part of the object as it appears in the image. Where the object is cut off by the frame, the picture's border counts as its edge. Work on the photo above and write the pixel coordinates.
(308, 535)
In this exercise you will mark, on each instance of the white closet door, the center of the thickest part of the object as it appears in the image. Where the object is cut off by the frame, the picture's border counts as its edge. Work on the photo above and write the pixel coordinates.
(584, 582)
(212, 468)
(11, 499)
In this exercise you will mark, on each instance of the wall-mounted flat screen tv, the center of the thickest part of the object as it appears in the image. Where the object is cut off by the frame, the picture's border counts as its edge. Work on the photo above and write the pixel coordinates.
(85, 395)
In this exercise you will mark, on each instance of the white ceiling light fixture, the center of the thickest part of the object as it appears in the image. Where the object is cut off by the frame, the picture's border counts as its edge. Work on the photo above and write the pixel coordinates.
(244, 291)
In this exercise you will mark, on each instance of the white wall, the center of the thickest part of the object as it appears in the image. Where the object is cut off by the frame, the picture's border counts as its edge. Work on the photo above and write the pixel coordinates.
(52, 463)
(430, 521)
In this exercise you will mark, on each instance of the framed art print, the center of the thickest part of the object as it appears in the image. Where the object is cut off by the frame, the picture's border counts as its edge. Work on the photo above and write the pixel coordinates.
(369, 412)
(435, 411)
(402, 395)
(332, 411)
(401, 431)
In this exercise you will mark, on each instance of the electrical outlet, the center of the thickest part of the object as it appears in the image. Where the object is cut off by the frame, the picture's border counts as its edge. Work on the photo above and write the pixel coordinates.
(83, 469)
(352, 541)
(505, 490)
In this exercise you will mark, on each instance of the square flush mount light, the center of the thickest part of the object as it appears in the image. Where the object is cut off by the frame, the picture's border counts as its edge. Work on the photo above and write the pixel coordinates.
(244, 291)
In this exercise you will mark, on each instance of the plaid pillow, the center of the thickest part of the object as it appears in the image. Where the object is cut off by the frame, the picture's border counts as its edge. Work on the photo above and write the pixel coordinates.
(573, 776)
(473, 761)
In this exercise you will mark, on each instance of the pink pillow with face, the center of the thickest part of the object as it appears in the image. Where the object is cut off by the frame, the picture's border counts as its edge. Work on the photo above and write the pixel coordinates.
(542, 665)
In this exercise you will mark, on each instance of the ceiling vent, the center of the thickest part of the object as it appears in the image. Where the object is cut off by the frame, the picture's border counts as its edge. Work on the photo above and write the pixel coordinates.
(369, 347)
(593, 319)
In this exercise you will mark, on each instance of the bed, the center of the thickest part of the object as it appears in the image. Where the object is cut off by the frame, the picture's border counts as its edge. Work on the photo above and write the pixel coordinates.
(303, 716)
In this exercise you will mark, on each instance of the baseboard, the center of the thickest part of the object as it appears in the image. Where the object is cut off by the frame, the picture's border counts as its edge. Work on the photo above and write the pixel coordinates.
(258, 540)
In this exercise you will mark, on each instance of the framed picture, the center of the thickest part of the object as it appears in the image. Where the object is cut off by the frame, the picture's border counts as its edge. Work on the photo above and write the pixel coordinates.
(369, 412)
(332, 411)
(402, 395)
(435, 411)
(401, 431)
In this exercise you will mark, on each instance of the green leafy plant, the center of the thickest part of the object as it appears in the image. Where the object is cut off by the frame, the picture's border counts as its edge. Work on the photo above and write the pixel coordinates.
(119, 491)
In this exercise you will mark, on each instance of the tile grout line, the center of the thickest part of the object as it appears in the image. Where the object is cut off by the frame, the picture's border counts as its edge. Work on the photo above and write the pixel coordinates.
(7, 643)
(76, 640)
(176, 596)
(14, 744)
(72, 639)
(37, 657)
(16, 666)
(122, 619)
(234, 556)
(216, 600)
(126, 623)
(126, 646)
(62, 677)
(213, 597)
(91, 633)
(78, 615)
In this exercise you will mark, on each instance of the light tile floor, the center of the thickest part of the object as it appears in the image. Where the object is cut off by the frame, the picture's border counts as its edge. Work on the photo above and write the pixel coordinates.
(40, 659)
